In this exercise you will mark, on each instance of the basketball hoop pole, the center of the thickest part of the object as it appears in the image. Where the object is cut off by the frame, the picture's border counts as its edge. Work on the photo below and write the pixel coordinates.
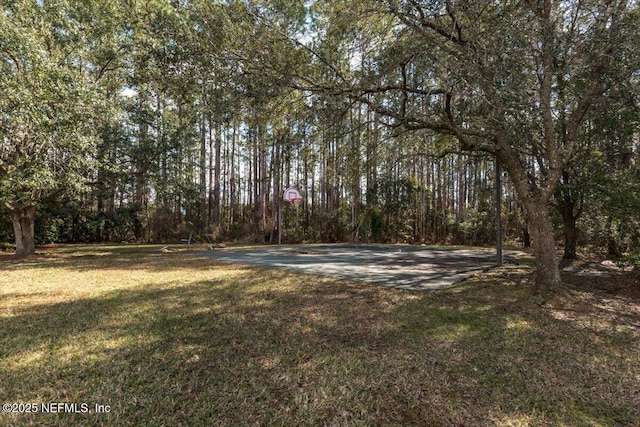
(290, 195)
(279, 221)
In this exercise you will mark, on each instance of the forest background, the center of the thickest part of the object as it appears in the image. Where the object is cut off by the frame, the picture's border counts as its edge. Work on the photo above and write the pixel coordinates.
(156, 121)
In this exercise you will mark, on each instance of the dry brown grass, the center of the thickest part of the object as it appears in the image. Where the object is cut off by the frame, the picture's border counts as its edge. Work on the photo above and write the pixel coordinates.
(172, 339)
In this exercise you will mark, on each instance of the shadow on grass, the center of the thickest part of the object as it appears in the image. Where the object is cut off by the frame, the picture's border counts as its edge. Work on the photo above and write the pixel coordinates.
(270, 347)
(116, 257)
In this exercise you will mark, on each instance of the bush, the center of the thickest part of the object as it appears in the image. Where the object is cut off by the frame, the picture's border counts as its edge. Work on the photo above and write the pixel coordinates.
(6, 246)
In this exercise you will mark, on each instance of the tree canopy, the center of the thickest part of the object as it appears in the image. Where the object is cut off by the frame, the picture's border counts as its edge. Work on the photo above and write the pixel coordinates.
(152, 120)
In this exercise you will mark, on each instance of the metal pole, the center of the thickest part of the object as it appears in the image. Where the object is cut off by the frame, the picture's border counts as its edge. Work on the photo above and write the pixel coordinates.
(279, 222)
(498, 167)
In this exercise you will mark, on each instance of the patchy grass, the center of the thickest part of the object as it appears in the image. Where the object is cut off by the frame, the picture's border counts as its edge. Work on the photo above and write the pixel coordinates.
(172, 339)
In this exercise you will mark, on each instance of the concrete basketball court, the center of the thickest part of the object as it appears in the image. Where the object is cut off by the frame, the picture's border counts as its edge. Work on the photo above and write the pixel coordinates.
(404, 267)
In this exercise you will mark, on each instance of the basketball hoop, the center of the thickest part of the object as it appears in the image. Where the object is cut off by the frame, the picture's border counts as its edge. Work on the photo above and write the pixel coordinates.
(292, 195)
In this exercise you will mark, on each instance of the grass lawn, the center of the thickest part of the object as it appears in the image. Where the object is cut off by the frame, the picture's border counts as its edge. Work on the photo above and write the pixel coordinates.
(169, 339)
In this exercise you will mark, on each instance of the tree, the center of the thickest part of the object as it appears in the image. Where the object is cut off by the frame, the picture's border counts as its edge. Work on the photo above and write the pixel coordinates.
(46, 110)
(512, 79)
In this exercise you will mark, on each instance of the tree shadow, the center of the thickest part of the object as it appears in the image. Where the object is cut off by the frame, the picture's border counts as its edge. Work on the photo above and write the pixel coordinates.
(268, 347)
(86, 257)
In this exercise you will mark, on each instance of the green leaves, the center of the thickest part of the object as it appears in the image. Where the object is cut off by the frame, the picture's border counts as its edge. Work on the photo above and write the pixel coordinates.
(47, 106)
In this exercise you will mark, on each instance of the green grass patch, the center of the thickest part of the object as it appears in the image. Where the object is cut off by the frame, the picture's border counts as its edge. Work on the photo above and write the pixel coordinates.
(173, 339)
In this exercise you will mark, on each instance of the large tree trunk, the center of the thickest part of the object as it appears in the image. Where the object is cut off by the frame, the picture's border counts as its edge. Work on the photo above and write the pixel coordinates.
(23, 226)
(535, 204)
(544, 246)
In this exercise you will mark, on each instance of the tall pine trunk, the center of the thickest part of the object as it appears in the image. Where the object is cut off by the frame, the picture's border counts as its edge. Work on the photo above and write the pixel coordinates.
(24, 227)
(217, 214)
(204, 223)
